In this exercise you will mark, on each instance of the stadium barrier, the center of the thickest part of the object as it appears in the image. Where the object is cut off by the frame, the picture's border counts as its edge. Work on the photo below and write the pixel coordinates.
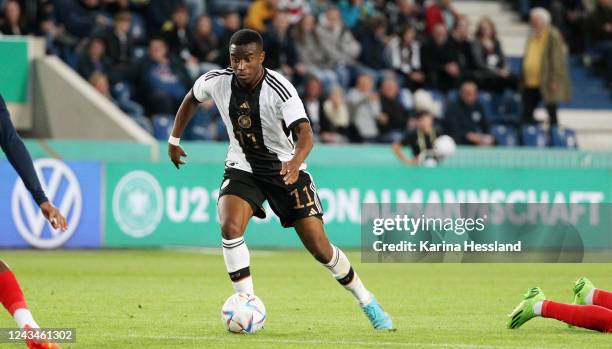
(116, 201)
(16, 76)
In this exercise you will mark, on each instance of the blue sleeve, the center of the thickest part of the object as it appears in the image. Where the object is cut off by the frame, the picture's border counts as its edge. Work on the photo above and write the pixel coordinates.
(18, 155)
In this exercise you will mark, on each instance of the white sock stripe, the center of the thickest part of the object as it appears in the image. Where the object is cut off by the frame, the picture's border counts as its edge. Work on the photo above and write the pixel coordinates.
(232, 243)
(335, 258)
(234, 246)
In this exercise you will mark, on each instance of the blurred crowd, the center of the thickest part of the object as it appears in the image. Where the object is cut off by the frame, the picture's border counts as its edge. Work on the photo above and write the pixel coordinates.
(367, 70)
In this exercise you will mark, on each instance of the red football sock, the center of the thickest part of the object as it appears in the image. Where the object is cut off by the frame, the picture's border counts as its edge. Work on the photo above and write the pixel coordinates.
(602, 298)
(592, 317)
(10, 292)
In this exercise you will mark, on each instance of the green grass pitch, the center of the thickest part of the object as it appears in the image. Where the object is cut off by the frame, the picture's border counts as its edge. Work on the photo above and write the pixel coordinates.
(172, 299)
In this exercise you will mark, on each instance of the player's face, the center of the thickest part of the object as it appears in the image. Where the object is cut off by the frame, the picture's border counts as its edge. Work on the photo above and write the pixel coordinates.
(246, 61)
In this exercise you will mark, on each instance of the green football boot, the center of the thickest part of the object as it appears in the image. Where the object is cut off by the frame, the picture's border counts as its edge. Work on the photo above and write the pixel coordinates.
(582, 288)
(524, 311)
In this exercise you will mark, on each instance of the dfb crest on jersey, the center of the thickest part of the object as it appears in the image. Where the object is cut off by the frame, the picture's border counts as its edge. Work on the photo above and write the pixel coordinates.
(244, 121)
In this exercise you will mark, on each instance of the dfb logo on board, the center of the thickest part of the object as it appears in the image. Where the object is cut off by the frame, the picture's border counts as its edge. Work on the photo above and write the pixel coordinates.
(138, 204)
(63, 189)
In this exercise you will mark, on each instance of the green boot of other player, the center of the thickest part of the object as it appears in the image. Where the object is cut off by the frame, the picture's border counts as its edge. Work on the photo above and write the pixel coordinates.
(524, 311)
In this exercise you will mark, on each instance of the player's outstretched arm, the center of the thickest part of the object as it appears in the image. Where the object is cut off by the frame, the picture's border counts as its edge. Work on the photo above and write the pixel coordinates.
(20, 159)
(185, 112)
(399, 153)
(291, 169)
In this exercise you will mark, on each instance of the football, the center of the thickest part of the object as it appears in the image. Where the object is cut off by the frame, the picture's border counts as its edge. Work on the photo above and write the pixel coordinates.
(243, 313)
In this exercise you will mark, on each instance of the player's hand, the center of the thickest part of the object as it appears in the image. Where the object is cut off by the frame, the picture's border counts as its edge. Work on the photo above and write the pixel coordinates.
(290, 172)
(53, 215)
(175, 152)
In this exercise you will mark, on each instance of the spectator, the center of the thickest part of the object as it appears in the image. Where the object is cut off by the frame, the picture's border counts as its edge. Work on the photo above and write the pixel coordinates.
(163, 81)
(440, 12)
(403, 55)
(136, 9)
(545, 71)
(100, 82)
(601, 34)
(231, 24)
(371, 34)
(571, 15)
(465, 120)
(57, 40)
(313, 103)
(311, 53)
(402, 16)
(460, 38)
(93, 59)
(354, 10)
(339, 45)
(120, 46)
(420, 140)
(365, 108)
(294, 9)
(205, 43)
(260, 13)
(441, 60)
(318, 7)
(491, 66)
(14, 22)
(81, 18)
(336, 110)
(158, 13)
(178, 36)
(281, 54)
(393, 120)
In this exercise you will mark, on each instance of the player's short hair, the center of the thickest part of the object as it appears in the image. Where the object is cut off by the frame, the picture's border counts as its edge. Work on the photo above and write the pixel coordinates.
(245, 37)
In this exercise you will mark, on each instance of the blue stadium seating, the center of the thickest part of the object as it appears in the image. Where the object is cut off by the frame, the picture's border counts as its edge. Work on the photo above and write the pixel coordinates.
(162, 126)
(534, 136)
(563, 137)
(505, 135)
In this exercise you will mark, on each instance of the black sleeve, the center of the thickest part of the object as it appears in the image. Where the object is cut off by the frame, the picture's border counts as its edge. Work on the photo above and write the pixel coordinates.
(18, 155)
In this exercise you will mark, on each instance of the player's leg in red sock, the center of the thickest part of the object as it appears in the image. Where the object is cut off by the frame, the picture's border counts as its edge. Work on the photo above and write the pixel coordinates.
(592, 317)
(602, 298)
(12, 298)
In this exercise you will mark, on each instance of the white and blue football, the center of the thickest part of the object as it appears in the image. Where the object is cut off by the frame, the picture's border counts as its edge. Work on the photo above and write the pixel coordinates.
(243, 313)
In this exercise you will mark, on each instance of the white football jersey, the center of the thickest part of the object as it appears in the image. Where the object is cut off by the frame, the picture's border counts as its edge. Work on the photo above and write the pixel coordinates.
(258, 121)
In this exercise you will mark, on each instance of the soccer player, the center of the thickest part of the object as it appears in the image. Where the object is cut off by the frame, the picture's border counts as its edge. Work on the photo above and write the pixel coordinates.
(270, 137)
(592, 308)
(11, 296)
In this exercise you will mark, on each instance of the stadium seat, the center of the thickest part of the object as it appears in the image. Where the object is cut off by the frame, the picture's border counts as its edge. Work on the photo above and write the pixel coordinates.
(533, 136)
(504, 135)
(162, 126)
(563, 137)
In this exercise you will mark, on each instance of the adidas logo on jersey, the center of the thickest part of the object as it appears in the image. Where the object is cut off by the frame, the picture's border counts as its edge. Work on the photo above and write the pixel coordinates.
(245, 105)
